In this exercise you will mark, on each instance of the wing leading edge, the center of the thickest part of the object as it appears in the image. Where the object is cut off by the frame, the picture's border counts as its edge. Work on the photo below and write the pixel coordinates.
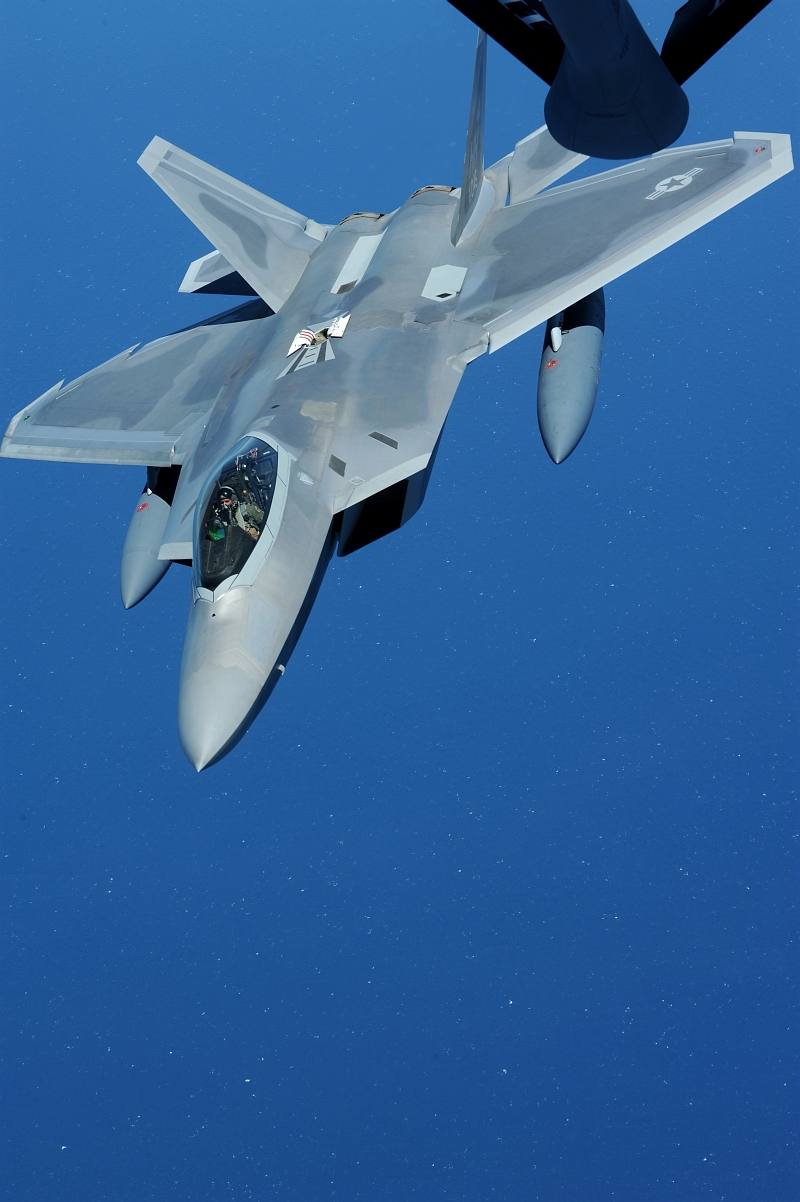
(539, 256)
(146, 406)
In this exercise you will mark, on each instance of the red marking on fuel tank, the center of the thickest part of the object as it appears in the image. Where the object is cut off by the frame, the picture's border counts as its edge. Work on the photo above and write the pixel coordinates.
(143, 505)
(552, 363)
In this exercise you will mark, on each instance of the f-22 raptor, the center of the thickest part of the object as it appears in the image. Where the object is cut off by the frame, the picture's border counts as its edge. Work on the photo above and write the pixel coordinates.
(307, 420)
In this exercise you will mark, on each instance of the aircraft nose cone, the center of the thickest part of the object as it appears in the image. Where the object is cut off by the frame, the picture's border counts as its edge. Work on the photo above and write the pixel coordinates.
(213, 708)
(223, 684)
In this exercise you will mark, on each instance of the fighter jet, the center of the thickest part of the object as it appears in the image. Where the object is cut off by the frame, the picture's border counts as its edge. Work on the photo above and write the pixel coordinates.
(307, 420)
(612, 95)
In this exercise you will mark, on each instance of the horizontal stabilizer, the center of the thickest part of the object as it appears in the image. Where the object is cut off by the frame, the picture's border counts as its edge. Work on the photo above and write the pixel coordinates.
(147, 407)
(537, 162)
(214, 274)
(537, 257)
(701, 28)
(268, 244)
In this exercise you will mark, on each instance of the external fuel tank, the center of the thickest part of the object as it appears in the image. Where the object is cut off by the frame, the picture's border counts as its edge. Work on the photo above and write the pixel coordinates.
(140, 569)
(569, 374)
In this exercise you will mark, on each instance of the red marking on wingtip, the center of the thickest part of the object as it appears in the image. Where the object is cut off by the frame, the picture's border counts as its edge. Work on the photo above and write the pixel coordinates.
(143, 505)
(552, 363)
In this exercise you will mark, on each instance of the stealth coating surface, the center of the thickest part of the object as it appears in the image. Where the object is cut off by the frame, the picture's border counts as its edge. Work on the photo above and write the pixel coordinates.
(353, 416)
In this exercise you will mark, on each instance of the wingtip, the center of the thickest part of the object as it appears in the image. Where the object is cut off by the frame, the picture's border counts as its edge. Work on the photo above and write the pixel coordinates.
(780, 146)
(24, 413)
(153, 154)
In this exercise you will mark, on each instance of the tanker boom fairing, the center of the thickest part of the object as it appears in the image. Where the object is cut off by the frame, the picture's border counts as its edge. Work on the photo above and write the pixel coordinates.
(309, 417)
(612, 95)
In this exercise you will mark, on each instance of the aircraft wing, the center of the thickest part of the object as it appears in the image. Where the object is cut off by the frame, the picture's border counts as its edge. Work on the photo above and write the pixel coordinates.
(145, 406)
(536, 257)
(268, 244)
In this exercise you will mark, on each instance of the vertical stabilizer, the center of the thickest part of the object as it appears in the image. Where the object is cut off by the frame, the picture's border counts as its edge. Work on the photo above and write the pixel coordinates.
(473, 159)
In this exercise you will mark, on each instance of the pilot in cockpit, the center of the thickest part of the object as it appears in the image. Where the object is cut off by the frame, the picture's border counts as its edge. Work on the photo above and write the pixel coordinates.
(227, 506)
(223, 515)
(231, 511)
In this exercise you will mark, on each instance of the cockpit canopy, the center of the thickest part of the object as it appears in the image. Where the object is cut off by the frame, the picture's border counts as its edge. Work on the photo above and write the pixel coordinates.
(232, 511)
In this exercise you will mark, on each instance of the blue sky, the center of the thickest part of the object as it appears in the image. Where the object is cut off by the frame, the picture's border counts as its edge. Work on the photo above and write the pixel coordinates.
(495, 899)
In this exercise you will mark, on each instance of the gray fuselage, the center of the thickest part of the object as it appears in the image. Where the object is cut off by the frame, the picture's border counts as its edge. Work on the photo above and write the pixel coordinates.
(393, 373)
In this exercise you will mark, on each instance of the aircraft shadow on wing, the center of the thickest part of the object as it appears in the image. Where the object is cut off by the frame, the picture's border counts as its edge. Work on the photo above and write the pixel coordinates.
(307, 419)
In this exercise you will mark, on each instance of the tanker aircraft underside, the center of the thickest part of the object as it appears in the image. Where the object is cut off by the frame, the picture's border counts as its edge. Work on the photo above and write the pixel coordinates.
(308, 418)
(612, 94)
